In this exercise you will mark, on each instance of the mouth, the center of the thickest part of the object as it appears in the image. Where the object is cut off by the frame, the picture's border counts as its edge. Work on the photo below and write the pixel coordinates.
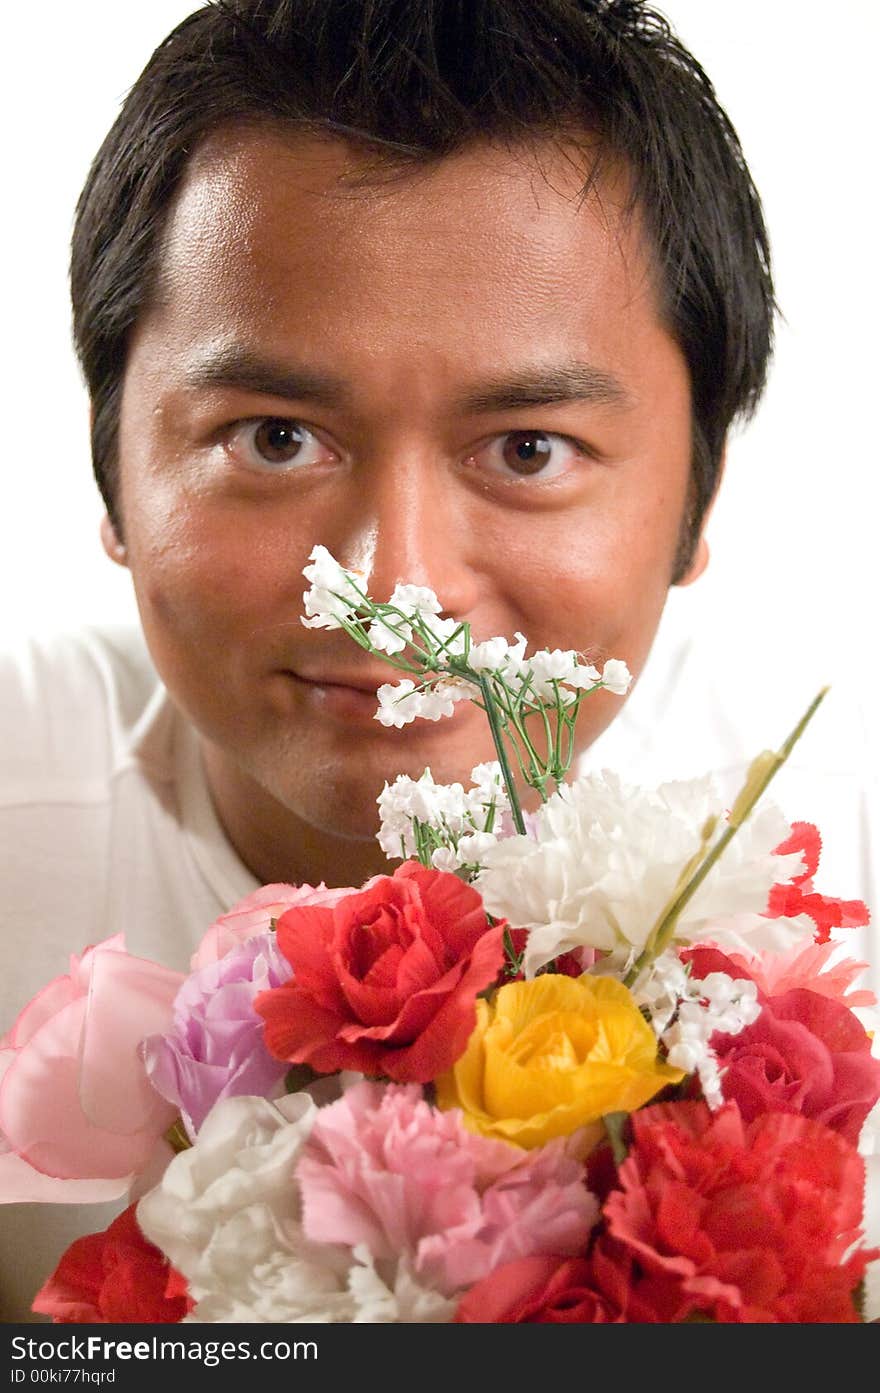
(352, 698)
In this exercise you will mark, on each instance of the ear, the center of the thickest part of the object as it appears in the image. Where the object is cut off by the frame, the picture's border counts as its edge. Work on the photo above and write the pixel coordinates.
(700, 559)
(699, 562)
(111, 543)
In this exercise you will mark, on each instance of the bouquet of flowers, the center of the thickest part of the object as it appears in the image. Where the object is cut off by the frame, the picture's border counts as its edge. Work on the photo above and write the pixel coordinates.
(601, 1062)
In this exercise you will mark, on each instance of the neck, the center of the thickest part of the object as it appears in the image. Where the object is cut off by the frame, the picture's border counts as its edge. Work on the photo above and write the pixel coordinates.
(275, 844)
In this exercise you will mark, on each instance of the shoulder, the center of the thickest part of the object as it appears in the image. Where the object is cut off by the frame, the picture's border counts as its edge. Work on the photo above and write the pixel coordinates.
(712, 700)
(709, 701)
(70, 704)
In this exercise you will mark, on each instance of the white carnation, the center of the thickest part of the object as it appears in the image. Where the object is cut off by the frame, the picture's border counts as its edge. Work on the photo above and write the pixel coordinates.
(604, 859)
(227, 1215)
(399, 1300)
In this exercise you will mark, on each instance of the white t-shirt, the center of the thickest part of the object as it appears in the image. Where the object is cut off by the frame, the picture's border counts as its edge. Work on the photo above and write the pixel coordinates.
(106, 823)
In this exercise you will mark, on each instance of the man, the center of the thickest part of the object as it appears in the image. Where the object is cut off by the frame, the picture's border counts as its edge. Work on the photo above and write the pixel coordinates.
(470, 295)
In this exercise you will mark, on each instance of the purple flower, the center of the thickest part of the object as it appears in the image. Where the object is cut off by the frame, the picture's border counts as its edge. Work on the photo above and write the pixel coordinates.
(215, 1046)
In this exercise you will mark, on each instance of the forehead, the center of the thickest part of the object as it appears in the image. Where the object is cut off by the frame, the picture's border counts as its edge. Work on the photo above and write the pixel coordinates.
(285, 230)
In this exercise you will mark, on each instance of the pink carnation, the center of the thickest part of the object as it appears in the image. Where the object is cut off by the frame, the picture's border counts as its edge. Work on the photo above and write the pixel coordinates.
(385, 1169)
(810, 967)
(254, 915)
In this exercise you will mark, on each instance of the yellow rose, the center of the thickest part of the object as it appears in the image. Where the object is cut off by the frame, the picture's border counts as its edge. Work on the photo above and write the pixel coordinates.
(554, 1055)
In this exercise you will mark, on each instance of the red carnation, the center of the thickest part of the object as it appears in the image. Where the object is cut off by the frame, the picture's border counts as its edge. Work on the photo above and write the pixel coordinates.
(716, 1219)
(799, 897)
(385, 981)
(114, 1277)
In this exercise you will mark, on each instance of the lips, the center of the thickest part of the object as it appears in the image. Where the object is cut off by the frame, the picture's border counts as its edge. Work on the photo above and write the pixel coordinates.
(357, 682)
(350, 697)
(347, 697)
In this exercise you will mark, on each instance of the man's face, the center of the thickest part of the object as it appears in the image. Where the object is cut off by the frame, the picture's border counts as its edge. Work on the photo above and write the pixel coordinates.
(457, 377)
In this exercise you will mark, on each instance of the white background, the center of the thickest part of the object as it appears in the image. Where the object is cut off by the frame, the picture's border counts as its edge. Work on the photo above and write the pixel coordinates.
(794, 533)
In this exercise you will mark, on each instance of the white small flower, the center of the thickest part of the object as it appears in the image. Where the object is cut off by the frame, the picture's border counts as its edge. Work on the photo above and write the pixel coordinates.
(399, 804)
(399, 703)
(499, 656)
(616, 677)
(445, 859)
(448, 635)
(388, 640)
(453, 814)
(584, 676)
(686, 1012)
(439, 701)
(548, 666)
(661, 988)
(488, 781)
(473, 848)
(332, 595)
(489, 655)
(415, 600)
(454, 689)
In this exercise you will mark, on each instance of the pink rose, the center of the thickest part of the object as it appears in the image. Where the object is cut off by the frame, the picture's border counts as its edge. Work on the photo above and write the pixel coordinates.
(807, 1053)
(254, 915)
(79, 1118)
(804, 1054)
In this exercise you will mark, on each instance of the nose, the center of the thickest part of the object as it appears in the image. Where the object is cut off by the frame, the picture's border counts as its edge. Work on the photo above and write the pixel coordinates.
(408, 523)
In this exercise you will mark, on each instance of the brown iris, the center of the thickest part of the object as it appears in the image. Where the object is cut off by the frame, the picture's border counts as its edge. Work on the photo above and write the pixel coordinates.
(278, 441)
(527, 452)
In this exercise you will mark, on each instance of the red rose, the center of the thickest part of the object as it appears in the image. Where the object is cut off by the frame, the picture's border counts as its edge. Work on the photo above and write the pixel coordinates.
(114, 1277)
(385, 981)
(537, 1290)
(716, 1219)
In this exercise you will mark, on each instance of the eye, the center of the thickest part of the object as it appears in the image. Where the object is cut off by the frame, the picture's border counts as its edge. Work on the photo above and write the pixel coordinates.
(274, 444)
(527, 453)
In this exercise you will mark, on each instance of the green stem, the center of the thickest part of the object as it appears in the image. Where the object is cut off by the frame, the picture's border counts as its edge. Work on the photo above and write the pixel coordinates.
(498, 740)
(761, 771)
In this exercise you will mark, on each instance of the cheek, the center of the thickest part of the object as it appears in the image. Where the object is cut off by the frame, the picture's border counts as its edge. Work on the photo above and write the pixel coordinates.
(204, 575)
(599, 575)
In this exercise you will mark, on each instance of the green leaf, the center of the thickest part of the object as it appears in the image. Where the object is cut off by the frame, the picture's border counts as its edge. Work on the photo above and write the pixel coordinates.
(615, 1124)
(300, 1076)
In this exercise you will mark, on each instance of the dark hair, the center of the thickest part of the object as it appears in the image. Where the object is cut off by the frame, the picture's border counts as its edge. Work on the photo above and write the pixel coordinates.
(415, 80)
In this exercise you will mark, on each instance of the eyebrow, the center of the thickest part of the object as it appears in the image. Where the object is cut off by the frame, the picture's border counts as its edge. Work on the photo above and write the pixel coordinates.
(238, 367)
(538, 386)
